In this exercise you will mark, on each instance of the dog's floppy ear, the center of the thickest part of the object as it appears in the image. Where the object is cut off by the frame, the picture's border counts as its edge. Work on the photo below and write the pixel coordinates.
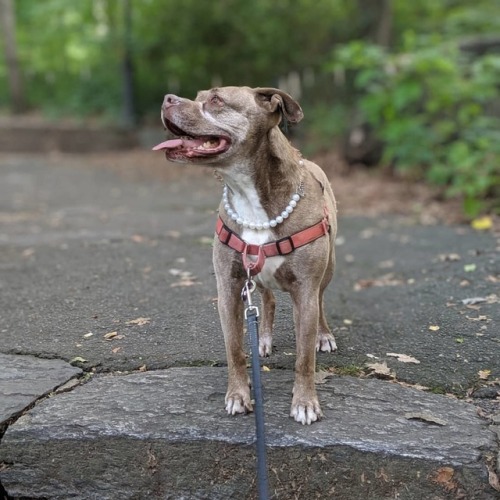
(274, 99)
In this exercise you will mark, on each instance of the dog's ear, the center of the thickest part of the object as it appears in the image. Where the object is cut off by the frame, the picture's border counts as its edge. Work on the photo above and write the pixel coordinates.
(275, 99)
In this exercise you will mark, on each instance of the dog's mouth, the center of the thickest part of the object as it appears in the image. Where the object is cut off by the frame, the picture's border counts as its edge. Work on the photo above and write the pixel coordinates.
(186, 145)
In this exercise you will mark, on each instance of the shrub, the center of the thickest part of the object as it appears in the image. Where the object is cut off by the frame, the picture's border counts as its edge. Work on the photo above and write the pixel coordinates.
(430, 105)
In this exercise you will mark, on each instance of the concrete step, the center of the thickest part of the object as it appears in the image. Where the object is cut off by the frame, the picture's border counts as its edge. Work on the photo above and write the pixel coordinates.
(164, 434)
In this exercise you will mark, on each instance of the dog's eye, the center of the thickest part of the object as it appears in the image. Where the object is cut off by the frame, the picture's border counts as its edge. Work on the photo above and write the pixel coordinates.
(215, 99)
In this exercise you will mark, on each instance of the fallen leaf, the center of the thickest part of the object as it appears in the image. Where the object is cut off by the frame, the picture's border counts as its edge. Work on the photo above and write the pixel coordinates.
(444, 477)
(434, 328)
(78, 359)
(266, 368)
(386, 280)
(404, 358)
(493, 279)
(372, 356)
(185, 282)
(142, 368)
(459, 340)
(348, 322)
(474, 300)
(116, 349)
(110, 335)
(138, 321)
(380, 370)
(469, 268)
(321, 376)
(137, 238)
(493, 478)
(452, 257)
(425, 417)
(484, 374)
(482, 223)
(481, 317)
(88, 335)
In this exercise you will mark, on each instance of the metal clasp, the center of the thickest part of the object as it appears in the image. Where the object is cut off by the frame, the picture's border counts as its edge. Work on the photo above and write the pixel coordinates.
(246, 295)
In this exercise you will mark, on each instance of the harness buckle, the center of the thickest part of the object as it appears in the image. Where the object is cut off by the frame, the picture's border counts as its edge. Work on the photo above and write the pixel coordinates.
(286, 239)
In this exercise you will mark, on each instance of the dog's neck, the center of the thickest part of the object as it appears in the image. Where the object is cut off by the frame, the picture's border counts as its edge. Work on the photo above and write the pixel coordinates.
(263, 182)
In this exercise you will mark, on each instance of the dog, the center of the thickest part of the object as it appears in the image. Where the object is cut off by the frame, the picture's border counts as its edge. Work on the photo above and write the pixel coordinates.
(277, 223)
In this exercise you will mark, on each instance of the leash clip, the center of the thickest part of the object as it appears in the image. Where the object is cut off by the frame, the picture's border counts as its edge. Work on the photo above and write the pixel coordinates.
(246, 295)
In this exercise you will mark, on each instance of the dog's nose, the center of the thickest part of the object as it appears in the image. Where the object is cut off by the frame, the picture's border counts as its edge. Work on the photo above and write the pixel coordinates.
(170, 100)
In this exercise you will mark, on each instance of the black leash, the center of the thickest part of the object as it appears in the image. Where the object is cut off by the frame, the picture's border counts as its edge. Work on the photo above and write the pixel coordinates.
(252, 317)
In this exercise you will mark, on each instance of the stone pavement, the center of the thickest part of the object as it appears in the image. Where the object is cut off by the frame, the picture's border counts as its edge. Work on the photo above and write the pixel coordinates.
(106, 282)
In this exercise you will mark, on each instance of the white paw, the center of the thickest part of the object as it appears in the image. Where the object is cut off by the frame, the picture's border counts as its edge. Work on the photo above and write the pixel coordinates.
(325, 342)
(306, 413)
(265, 345)
(237, 404)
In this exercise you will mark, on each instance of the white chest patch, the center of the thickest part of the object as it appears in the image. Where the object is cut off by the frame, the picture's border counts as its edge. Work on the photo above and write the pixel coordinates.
(245, 201)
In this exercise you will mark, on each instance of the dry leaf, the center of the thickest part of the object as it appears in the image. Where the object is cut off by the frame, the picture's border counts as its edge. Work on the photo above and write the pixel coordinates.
(469, 268)
(425, 417)
(266, 368)
(88, 335)
(116, 349)
(474, 300)
(482, 223)
(321, 376)
(386, 280)
(433, 328)
(142, 368)
(138, 321)
(137, 238)
(404, 358)
(110, 335)
(452, 257)
(444, 477)
(380, 370)
(484, 374)
(479, 318)
(78, 359)
(493, 478)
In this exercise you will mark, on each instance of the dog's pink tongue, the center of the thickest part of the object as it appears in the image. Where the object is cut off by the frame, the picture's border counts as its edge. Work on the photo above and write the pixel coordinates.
(171, 144)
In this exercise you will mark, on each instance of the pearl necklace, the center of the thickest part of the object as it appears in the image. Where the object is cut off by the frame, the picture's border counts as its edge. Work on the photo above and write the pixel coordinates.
(259, 226)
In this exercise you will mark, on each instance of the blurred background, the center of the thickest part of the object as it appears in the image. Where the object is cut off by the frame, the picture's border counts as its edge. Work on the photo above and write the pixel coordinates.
(410, 88)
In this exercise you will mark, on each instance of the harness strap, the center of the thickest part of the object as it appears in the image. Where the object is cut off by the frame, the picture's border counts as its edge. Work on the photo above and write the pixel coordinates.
(284, 246)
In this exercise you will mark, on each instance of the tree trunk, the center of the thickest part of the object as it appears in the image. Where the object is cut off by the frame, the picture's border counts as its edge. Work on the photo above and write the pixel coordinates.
(8, 25)
(129, 113)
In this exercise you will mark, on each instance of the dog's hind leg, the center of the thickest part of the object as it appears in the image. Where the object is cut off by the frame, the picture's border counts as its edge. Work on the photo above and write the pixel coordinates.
(267, 320)
(325, 341)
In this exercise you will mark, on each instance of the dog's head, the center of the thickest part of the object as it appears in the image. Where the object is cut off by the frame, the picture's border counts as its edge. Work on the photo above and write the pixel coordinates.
(223, 122)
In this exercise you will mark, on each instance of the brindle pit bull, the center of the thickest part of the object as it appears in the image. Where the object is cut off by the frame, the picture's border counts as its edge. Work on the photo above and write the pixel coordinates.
(270, 193)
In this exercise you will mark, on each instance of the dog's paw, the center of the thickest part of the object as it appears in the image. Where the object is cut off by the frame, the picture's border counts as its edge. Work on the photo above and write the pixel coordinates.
(238, 403)
(265, 345)
(325, 342)
(306, 412)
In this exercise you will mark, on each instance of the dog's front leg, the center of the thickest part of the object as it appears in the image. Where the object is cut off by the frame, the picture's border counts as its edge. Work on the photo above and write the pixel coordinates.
(230, 308)
(305, 405)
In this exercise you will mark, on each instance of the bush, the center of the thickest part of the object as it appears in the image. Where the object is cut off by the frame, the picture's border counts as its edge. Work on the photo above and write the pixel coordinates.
(429, 104)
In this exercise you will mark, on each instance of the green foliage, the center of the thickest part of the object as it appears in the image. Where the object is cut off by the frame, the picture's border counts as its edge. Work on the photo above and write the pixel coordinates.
(429, 104)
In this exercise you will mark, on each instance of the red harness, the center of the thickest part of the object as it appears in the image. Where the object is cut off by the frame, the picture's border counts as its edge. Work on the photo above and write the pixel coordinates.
(284, 246)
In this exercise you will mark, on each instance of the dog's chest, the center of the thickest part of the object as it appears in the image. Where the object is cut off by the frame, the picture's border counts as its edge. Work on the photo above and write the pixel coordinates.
(249, 207)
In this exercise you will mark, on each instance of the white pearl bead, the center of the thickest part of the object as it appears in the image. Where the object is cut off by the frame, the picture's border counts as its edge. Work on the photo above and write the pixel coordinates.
(266, 225)
(289, 209)
(295, 197)
(245, 223)
(284, 214)
(279, 219)
(292, 203)
(251, 225)
(234, 216)
(258, 226)
(273, 223)
(227, 207)
(239, 221)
